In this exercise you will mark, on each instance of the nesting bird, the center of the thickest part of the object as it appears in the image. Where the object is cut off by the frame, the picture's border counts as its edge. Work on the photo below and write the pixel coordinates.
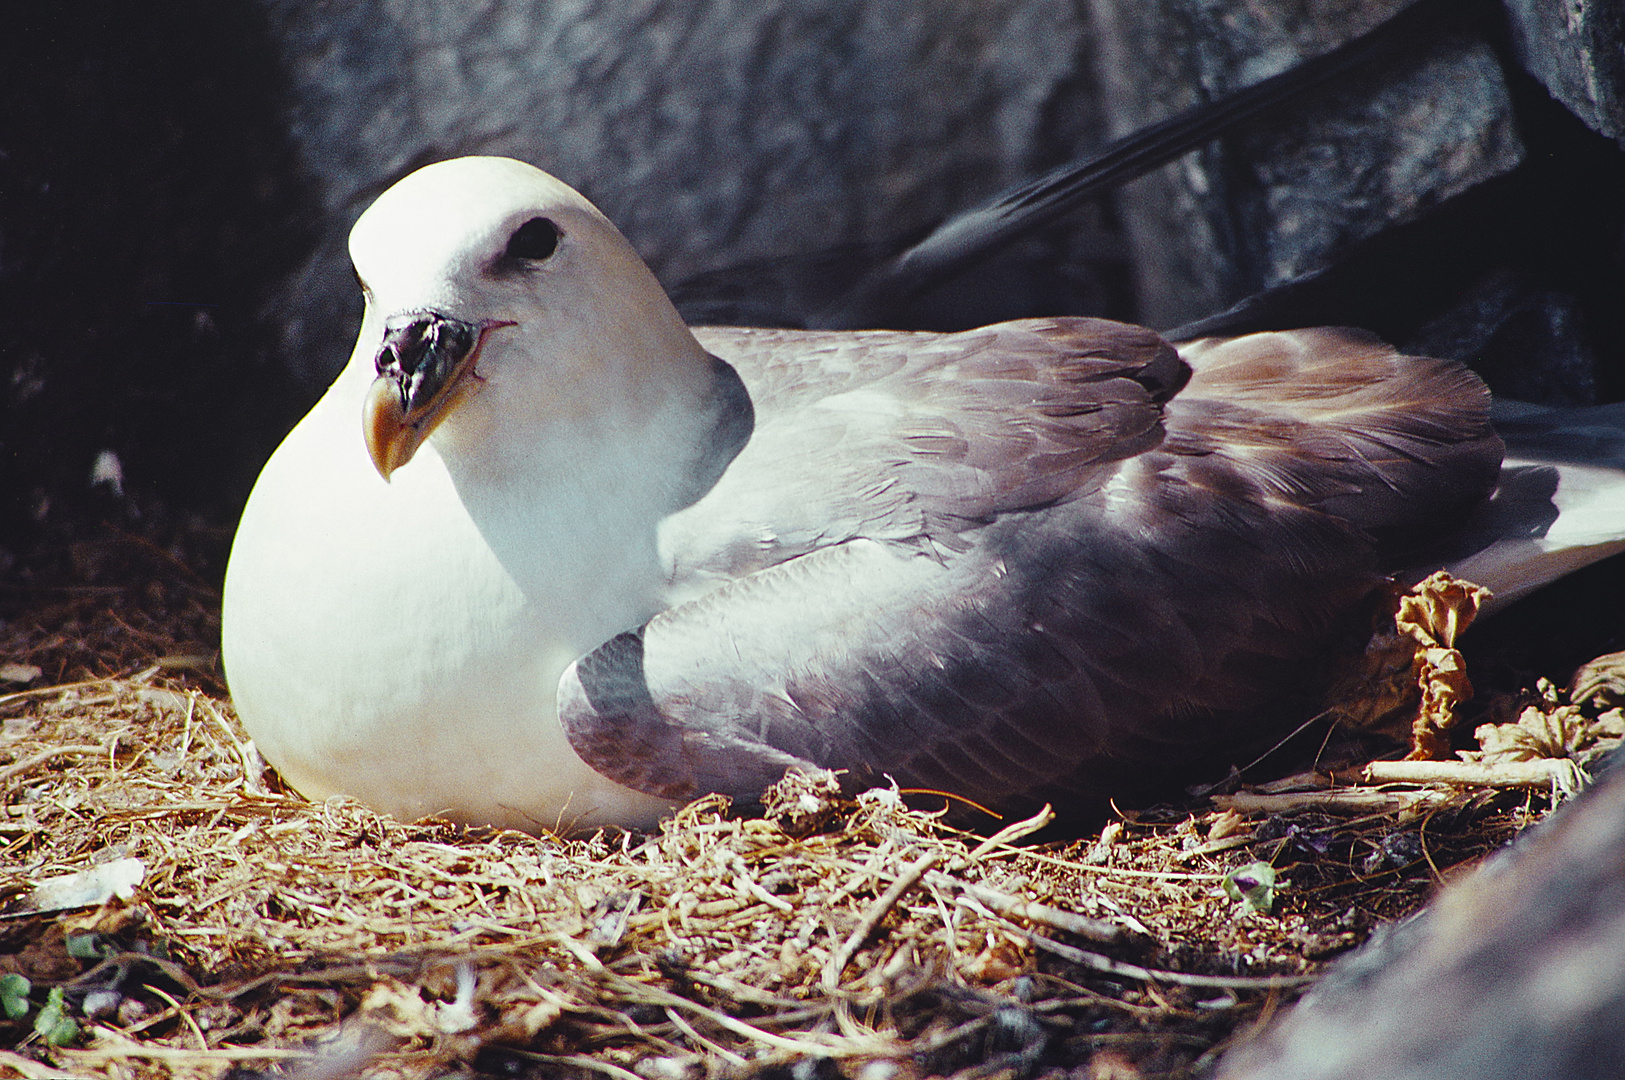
(546, 557)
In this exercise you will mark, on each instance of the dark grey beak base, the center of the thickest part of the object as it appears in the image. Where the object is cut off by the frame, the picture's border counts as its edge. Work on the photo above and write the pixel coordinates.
(420, 352)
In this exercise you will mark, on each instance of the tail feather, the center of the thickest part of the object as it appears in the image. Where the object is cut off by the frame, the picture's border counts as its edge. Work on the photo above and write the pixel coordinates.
(1414, 452)
(1560, 504)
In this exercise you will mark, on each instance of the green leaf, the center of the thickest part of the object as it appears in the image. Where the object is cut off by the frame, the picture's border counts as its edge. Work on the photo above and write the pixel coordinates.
(14, 990)
(1253, 885)
(65, 1032)
(86, 947)
(53, 1024)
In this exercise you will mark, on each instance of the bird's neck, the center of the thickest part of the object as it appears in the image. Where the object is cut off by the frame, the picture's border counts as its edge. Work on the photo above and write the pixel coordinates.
(572, 508)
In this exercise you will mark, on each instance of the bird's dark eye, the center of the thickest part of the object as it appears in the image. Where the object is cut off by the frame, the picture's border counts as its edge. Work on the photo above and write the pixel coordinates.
(535, 239)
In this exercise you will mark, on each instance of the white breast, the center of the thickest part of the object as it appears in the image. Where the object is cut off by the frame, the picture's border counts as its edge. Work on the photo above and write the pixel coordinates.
(420, 678)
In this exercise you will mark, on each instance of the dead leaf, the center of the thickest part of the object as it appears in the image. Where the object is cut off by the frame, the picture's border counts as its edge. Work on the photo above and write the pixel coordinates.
(1409, 678)
(521, 1020)
(1562, 731)
(804, 802)
(1439, 608)
(1600, 682)
(19, 673)
(398, 1009)
(1111, 1065)
(85, 888)
(1376, 691)
(1442, 675)
(1433, 614)
(1537, 734)
(1226, 824)
(1000, 959)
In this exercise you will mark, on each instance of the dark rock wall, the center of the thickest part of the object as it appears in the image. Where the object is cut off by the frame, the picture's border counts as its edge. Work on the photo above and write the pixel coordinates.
(712, 133)
(1577, 49)
(176, 183)
(147, 208)
(1296, 189)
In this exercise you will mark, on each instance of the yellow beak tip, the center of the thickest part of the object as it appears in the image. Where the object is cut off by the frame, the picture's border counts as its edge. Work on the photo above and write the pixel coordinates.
(389, 438)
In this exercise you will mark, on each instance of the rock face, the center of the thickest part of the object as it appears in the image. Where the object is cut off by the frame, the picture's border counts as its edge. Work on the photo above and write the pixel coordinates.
(178, 183)
(1576, 48)
(1374, 148)
(713, 134)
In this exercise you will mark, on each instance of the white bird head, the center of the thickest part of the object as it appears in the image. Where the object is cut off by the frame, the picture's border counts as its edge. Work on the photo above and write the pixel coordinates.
(485, 273)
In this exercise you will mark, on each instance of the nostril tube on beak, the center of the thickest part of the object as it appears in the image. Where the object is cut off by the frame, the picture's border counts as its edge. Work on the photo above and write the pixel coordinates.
(420, 351)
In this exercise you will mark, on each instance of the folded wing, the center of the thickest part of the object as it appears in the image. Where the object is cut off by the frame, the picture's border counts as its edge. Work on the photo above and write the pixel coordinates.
(1030, 560)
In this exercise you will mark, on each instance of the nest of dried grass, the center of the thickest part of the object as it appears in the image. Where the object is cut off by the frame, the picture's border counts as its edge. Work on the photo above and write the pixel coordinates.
(856, 938)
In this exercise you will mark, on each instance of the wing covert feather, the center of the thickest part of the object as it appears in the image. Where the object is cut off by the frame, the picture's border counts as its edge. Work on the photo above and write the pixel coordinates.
(912, 436)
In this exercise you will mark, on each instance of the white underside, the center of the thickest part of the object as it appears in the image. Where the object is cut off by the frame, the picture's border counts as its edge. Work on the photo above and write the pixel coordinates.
(384, 653)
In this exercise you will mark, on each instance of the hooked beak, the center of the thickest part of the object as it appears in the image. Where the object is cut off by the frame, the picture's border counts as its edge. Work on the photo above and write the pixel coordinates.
(424, 366)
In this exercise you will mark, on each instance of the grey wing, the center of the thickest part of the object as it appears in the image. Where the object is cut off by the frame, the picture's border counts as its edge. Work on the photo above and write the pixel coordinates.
(1559, 506)
(913, 437)
(1074, 642)
(1045, 658)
